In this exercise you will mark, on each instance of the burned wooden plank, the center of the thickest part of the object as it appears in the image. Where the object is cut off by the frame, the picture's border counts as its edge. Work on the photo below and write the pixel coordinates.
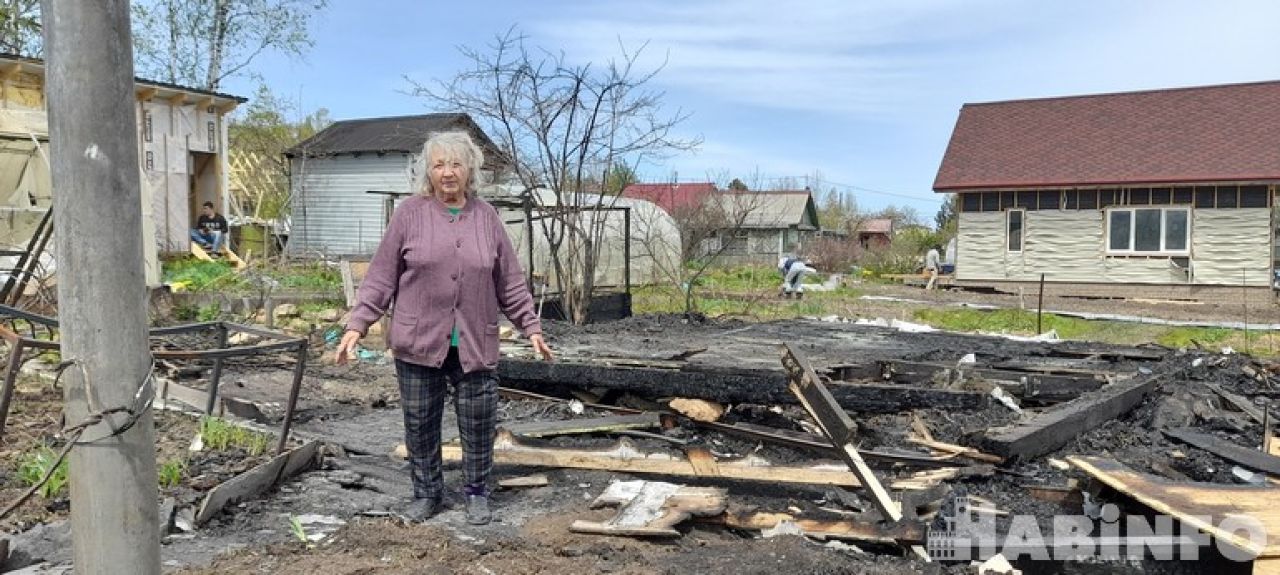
(1030, 386)
(837, 426)
(258, 480)
(723, 385)
(1240, 402)
(1251, 458)
(624, 457)
(1060, 424)
(807, 441)
(904, 532)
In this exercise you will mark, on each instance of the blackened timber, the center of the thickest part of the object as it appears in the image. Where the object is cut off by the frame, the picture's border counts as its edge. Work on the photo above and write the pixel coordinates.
(801, 440)
(837, 426)
(1028, 386)
(725, 385)
(1251, 458)
(1062, 423)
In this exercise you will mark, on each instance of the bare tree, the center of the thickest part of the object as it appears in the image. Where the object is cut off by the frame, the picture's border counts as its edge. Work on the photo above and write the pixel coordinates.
(707, 227)
(20, 27)
(200, 43)
(564, 125)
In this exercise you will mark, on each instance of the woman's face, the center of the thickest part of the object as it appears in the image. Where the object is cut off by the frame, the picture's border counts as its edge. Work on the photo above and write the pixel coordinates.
(449, 175)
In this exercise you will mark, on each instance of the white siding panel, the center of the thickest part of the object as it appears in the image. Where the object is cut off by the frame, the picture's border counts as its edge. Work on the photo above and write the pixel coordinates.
(1226, 243)
(1067, 246)
(332, 213)
(980, 251)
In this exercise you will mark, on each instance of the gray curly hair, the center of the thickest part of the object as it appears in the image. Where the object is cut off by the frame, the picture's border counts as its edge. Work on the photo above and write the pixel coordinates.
(455, 144)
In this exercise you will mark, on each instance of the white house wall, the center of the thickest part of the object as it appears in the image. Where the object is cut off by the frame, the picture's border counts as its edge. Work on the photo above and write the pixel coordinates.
(332, 213)
(1067, 246)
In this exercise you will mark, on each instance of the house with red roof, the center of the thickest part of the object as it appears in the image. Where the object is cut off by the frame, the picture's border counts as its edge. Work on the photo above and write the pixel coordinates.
(670, 196)
(875, 233)
(1160, 193)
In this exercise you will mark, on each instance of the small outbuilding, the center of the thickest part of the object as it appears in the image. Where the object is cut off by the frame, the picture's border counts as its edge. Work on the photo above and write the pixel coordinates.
(345, 180)
(182, 144)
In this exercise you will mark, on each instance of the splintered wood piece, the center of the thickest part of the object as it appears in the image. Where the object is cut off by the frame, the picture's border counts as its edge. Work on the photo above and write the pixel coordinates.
(697, 409)
(1199, 505)
(837, 426)
(624, 457)
(961, 450)
(652, 508)
(846, 529)
(536, 480)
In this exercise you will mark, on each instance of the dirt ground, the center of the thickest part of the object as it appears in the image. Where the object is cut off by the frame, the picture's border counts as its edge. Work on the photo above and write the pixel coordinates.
(348, 505)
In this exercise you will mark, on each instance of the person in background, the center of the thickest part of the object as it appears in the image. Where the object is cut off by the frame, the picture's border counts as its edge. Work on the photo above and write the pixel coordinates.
(211, 230)
(448, 265)
(931, 265)
(793, 270)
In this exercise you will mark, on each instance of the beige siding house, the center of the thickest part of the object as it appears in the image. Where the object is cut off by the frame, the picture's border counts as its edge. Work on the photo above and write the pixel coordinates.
(182, 143)
(1164, 193)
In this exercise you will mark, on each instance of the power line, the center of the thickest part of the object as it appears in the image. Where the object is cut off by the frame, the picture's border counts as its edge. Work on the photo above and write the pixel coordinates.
(902, 195)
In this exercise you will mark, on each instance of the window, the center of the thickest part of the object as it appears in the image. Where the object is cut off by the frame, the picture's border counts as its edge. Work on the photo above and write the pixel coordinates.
(1014, 225)
(1148, 231)
(971, 202)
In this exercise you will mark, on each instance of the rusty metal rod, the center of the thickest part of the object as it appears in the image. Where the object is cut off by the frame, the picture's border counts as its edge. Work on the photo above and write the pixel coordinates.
(10, 382)
(293, 396)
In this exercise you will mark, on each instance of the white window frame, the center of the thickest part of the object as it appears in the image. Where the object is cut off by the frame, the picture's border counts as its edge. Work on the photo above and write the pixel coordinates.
(1022, 241)
(1133, 231)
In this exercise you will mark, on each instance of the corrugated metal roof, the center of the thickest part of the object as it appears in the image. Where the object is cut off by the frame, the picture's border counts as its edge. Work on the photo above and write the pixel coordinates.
(876, 226)
(772, 209)
(39, 64)
(1222, 133)
(670, 196)
(404, 134)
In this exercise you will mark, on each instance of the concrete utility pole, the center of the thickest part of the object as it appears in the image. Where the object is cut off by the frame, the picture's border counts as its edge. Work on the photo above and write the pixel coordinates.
(101, 291)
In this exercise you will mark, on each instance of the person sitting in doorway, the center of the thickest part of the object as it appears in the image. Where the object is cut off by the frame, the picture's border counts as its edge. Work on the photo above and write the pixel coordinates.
(793, 270)
(211, 230)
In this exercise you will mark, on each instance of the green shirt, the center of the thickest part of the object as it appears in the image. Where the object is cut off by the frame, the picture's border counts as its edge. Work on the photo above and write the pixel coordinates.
(453, 337)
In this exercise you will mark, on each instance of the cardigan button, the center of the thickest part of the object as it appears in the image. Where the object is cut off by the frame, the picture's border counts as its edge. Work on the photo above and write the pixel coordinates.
(459, 243)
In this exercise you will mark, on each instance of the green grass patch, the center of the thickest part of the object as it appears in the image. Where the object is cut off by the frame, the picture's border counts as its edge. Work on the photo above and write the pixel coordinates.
(218, 276)
(220, 435)
(1189, 336)
(33, 466)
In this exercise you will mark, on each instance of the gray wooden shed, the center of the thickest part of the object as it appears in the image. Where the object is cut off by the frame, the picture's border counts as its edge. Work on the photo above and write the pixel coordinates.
(335, 177)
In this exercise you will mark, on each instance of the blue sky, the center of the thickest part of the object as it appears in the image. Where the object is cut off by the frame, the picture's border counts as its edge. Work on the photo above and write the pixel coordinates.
(862, 93)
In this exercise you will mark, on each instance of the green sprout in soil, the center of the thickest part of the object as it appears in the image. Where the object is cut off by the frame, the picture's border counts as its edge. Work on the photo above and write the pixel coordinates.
(34, 465)
(171, 471)
(299, 532)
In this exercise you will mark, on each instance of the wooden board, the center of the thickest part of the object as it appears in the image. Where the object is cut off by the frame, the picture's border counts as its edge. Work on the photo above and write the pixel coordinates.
(624, 457)
(1056, 427)
(652, 508)
(1191, 502)
(1251, 458)
(258, 480)
(851, 530)
(838, 428)
(227, 254)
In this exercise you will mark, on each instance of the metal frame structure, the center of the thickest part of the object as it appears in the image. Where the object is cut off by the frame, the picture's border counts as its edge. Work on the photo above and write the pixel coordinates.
(18, 343)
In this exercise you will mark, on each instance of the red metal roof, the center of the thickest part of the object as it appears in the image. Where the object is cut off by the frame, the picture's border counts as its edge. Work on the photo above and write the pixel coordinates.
(1226, 133)
(876, 226)
(669, 196)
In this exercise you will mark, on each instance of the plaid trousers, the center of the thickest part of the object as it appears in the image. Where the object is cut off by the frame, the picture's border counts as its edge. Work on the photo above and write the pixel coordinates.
(475, 401)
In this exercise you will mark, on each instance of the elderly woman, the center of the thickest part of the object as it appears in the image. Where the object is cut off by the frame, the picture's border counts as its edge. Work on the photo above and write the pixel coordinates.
(447, 263)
